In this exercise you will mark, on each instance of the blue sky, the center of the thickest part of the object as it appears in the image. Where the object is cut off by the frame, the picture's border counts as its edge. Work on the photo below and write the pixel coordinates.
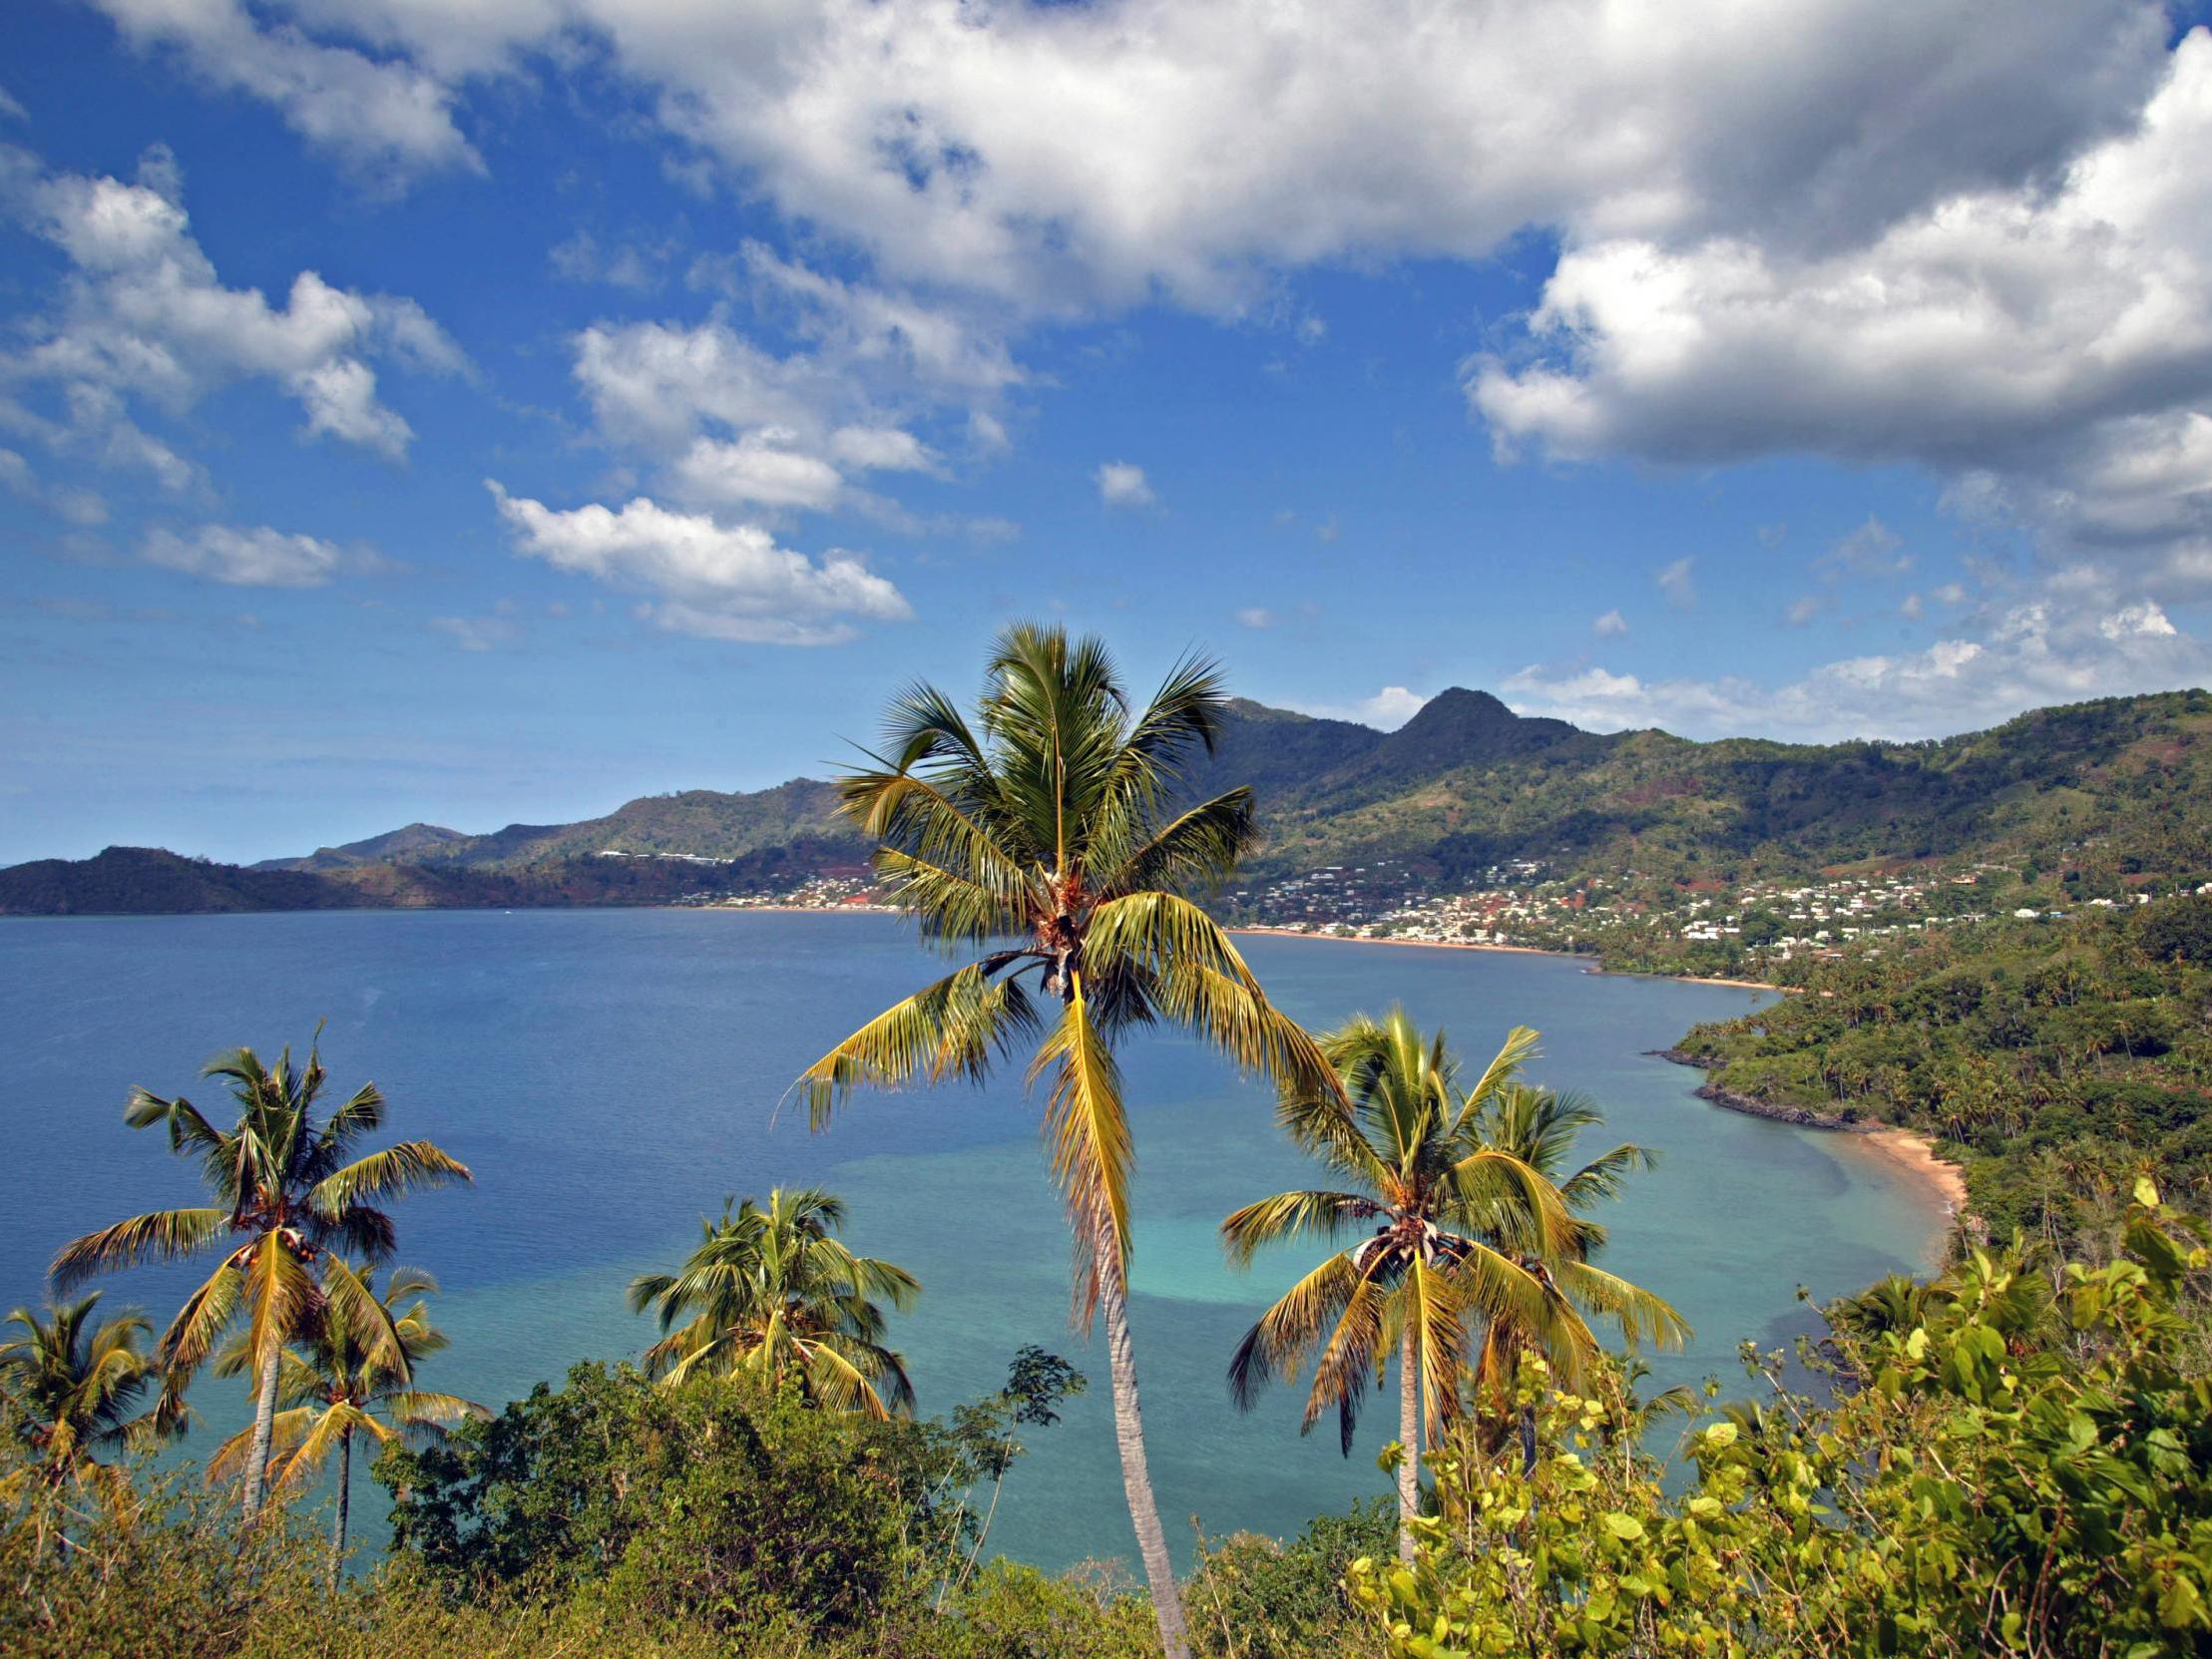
(492, 411)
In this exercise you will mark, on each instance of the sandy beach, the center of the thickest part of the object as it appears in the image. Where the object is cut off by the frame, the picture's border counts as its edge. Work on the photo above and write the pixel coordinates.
(1914, 1153)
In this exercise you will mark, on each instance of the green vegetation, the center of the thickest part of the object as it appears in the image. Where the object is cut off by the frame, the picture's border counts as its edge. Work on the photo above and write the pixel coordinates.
(2057, 1058)
(290, 1194)
(1050, 822)
(76, 1383)
(2022, 1465)
(1476, 1248)
(340, 1378)
(771, 1294)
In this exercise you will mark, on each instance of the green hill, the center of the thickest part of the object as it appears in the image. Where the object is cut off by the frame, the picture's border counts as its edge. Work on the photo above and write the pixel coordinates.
(2121, 786)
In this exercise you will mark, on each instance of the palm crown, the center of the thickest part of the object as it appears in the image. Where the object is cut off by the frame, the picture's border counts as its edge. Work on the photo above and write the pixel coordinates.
(288, 1190)
(1049, 826)
(79, 1381)
(1451, 1225)
(771, 1293)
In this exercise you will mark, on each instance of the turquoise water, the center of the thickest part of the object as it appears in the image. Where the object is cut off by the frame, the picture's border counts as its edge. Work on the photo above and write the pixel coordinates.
(610, 1074)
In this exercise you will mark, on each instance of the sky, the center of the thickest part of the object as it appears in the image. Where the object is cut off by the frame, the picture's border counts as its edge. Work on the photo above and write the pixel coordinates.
(490, 410)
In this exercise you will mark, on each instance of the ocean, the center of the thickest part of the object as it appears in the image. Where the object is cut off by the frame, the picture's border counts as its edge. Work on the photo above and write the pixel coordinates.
(611, 1075)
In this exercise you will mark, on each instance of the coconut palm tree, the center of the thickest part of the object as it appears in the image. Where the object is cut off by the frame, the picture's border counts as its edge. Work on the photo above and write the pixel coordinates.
(1047, 835)
(1394, 1130)
(1540, 1126)
(338, 1381)
(771, 1293)
(79, 1383)
(287, 1190)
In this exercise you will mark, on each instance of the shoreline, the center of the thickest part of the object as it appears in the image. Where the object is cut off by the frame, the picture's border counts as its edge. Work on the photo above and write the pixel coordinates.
(1914, 1153)
(1910, 1152)
(1521, 950)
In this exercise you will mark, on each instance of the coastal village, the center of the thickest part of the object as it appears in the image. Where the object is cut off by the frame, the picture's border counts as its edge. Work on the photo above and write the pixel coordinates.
(1523, 906)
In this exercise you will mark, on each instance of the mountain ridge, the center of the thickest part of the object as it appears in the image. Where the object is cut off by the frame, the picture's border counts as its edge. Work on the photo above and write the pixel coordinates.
(1463, 788)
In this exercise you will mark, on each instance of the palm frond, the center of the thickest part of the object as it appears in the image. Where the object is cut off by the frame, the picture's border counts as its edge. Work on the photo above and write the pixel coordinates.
(1089, 1134)
(409, 1167)
(163, 1235)
(1324, 1216)
(952, 1029)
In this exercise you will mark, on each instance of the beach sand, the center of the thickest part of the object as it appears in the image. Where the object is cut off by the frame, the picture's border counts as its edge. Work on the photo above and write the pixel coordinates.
(1914, 1153)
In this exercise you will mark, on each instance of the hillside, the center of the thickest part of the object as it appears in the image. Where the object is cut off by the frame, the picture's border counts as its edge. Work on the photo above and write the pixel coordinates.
(2122, 786)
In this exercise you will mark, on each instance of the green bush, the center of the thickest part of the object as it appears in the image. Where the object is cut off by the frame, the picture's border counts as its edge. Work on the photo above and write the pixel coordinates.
(2003, 1470)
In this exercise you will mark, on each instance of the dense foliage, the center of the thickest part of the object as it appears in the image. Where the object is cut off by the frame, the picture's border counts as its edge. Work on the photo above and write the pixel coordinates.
(2010, 1465)
(2059, 1057)
(617, 1516)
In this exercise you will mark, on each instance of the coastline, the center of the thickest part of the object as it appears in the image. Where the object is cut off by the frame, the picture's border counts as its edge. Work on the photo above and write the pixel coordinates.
(1520, 950)
(1914, 1153)
(1910, 1152)
(1416, 944)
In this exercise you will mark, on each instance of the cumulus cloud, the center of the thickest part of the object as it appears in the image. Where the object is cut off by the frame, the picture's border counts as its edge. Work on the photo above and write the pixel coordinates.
(1098, 155)
(1256, 616)
(1123, 484)
(145, 319)
(387, 120)
(2040, 651)
(732, 422)
(717, 582)
(2048, 350)
(1612, 625)
(256, 557)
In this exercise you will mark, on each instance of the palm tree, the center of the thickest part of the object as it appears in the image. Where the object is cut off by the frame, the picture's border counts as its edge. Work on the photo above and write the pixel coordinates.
(78, 1382)
(1047, 828)
(770, 1293)
(1540, 1127)
(1392, 1129)
(287, 1191)
(340, 1382)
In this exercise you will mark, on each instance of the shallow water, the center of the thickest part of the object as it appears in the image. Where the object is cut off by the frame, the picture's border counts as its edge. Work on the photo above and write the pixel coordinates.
(611, 1075)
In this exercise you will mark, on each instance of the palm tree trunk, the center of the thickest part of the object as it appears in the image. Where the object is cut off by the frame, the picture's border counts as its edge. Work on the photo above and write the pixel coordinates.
(345, 1501)
(1409, 1436)
(1137, 1480)
(265, 1425)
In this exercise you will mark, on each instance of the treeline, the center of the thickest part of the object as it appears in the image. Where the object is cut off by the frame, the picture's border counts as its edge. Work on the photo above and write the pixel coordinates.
(2059, 1059)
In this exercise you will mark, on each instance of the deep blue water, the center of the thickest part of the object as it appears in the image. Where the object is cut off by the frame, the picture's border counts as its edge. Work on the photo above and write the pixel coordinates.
(612, 1074)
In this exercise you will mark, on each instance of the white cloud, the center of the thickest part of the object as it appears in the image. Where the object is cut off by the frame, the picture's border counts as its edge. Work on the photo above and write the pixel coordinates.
(714, 581)
(1388, 709)
(387, 120)
(2040, 651)
(1123, 484)
(257, 558)
(732, 422)
(1804, 608)
(1610, 625)
(1256, 616)
(145, 318)
(2048, 350)
(1677, 583)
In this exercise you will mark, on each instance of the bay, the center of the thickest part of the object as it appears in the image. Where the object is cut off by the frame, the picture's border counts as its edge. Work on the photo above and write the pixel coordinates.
(611, 1075)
